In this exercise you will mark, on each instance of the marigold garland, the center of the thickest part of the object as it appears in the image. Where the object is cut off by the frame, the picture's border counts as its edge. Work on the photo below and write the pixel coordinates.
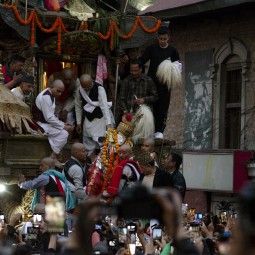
(105, 147)
(110, 169)
(32, 19)
(114, 28)
(113, 159)
(61, 27)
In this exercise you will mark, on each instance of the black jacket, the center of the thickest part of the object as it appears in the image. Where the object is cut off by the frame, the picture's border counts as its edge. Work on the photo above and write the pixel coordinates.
(161, 179)
(178, 182)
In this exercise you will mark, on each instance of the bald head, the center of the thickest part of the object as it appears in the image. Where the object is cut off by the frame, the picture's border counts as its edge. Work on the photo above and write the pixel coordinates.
(76, 147)
(57, 88)
(67, 71)
(46, 164)
(148, 144)
(78, 151)
(86, 82)
(58, 84)
(68, 76)
(85, 77)
(125, 152)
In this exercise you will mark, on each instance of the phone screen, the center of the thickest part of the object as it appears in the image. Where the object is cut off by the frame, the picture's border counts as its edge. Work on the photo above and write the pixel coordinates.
(157, 234)
(37, 218)
(98, 226)
(198, 216)
(32, 233)
(131, 228)
(111, 243)
(122, 232)
(55, 213)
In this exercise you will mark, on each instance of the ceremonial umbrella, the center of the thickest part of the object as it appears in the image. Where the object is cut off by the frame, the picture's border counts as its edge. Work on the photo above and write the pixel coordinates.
(15, 115)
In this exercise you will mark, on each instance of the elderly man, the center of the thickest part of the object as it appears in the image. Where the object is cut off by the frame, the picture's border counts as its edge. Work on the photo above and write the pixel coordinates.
(43, 113)
(75, 170)
(12, 71)
(26, 86)
(125, 173)
(148, 146)
(172, 165)
(50, 181)
(137, 89)
(65, 103)
(152, 176)
(91, 102)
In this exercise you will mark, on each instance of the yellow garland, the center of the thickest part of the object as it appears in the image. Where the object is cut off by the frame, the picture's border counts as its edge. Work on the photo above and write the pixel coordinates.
(105, 146)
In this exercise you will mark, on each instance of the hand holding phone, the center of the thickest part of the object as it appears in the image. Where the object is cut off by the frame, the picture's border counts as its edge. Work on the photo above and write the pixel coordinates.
(157, 234)
(122, 233)
(55, 213)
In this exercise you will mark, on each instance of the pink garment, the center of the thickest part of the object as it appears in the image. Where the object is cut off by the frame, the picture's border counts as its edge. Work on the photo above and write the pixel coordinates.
(101, 74)
(95, 238)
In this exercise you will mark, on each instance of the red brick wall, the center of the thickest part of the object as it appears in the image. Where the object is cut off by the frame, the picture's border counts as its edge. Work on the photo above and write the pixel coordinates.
(201, 33)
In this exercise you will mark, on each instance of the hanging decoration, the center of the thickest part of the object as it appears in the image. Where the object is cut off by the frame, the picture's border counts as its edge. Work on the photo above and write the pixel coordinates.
(59, 25)
(114, 28)
(32, 19)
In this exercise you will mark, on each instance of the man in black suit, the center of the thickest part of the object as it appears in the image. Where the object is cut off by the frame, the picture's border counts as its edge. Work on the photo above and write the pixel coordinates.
(172, 165)
(152, 176)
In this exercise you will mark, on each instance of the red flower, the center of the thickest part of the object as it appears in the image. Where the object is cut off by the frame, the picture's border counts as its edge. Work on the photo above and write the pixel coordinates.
(129, 117)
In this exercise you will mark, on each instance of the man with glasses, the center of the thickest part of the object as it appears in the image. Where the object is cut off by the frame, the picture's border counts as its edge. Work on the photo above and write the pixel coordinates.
(137, 89)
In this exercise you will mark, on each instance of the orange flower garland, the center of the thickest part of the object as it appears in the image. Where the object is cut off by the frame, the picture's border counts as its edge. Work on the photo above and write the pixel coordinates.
(105, 146)
(61, 27)
(34, 19)
(115, 135)
(114, 28)
(113, 159)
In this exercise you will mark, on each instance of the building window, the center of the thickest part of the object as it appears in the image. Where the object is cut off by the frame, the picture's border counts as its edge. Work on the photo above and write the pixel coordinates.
(230, 76)
(231, 124)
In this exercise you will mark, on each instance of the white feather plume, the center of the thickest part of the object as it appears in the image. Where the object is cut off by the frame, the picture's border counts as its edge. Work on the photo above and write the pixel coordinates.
(144, 124)
(169, 73)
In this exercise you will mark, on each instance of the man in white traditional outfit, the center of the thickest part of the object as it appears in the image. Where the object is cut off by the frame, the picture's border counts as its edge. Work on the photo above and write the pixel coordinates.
(43, 113)
(91, 102)
(65, 103)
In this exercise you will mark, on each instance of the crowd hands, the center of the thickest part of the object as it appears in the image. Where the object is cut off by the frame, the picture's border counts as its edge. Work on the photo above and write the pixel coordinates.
(123, 228)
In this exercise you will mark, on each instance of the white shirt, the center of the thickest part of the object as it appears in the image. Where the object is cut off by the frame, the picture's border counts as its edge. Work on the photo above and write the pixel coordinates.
(96, 127)
(45, 104)
(18, 93)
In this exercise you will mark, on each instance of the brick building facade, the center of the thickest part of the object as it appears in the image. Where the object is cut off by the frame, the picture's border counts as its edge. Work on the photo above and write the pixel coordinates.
(225, 28)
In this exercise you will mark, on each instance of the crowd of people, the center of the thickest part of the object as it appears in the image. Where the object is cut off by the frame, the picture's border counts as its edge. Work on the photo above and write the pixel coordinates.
(140, 210)
(141, 221)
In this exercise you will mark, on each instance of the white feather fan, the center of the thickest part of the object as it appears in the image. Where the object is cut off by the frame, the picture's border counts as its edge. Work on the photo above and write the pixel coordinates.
(169, 73)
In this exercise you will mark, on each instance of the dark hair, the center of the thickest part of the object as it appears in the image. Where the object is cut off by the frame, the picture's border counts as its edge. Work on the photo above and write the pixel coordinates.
(135, 62)
(177, 159)
(163, 30)
(28, 78)
(17, 58)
